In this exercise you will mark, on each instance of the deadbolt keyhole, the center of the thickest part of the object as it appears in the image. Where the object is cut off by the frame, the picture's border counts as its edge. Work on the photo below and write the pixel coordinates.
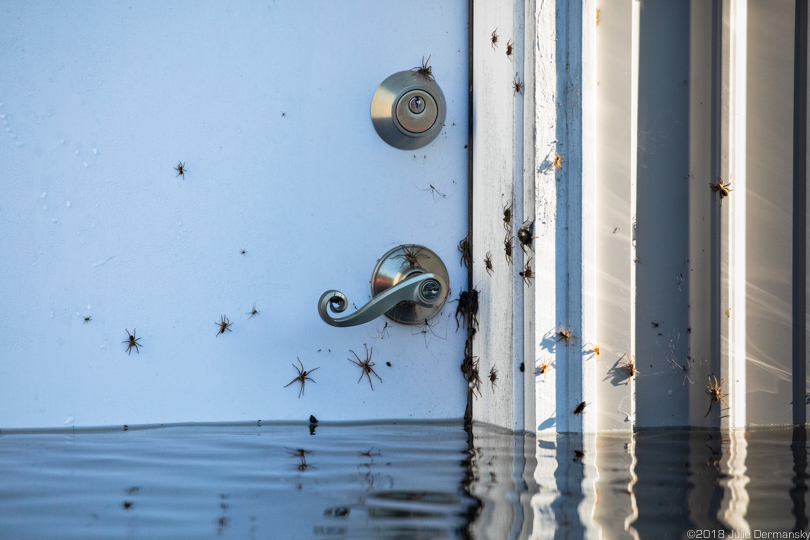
(416, 105)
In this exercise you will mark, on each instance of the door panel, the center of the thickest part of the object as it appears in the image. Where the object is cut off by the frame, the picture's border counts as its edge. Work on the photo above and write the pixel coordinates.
(267, 104)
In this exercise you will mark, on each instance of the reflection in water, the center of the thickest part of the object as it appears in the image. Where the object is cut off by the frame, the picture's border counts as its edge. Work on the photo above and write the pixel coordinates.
(420, 481)
(616, 507)
(734, 482)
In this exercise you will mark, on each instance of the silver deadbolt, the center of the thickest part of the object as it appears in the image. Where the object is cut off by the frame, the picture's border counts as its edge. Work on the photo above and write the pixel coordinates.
(408, 110)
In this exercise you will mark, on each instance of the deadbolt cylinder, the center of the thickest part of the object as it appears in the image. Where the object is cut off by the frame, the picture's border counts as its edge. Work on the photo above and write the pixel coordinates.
(421, 121)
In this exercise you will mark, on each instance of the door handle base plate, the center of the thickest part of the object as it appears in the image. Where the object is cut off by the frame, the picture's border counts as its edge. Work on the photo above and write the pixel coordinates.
(399, 264)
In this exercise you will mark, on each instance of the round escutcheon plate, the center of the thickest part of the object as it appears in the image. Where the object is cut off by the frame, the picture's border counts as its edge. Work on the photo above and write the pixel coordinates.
(398, 265)
(398, 120)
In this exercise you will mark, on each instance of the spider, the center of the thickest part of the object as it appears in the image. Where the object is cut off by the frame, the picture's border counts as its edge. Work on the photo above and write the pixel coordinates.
(473, 379)
(724, 189)
(488, 263)
(509, 46)
(715, 391)
(426, 327)
(541, 369)
(301, 454)
(527, 273)
(524, 235)
(578, 455)
(631, 368)
(494, 38)
(517, 86)
(507, 217)
(595, 350)
(435, 192)
(243, 252)
(303, 377)
(131, 342)
(382, 333)
(88, 319)
(366, 365)
(252, 312)
(565, 335)
(224, 324)
(425, 70)
(298, 452)
(181, 169)
(507, 246)
(466, 251)
(493, 376)
(412, 255)
(468, 309)
(557, 161)
(580, 408)
(467, 363)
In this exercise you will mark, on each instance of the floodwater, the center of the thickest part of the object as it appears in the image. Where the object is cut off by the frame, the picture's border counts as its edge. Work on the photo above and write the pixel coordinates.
(399, 480)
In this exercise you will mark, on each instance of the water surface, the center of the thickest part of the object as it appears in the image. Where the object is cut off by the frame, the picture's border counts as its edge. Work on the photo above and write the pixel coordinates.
(403, 480)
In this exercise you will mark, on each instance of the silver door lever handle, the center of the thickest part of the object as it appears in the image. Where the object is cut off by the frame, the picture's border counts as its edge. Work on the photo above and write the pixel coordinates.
(427, 290)
(409, 285)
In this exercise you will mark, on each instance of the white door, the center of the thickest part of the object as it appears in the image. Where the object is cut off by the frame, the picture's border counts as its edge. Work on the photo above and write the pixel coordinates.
(267, 105)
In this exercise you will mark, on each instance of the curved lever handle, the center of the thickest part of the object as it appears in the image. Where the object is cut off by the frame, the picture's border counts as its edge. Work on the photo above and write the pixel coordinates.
(425, 289)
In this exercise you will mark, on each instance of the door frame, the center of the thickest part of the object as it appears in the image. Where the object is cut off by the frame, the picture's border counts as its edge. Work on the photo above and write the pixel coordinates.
(514, 140)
